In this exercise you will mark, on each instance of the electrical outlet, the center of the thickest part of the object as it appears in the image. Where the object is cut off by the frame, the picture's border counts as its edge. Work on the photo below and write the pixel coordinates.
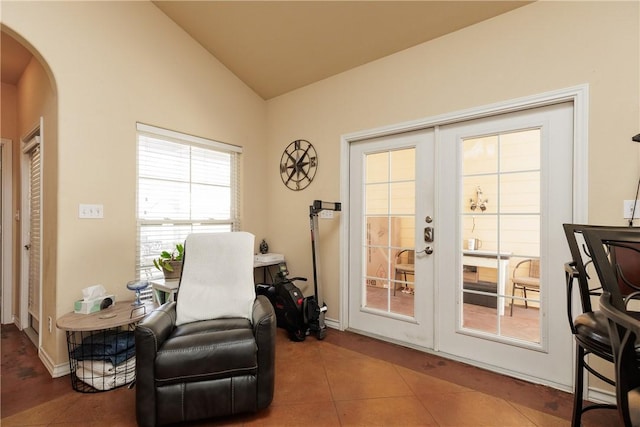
(90, 211)
(628, 209)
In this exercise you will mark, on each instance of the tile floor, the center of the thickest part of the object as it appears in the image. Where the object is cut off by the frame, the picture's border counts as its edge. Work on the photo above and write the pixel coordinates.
(344, 380)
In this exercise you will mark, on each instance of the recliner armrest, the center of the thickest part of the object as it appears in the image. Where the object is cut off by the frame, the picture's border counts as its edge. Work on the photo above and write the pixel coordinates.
(156, 327)
(262, 312)
(150, 333)
(264, 331)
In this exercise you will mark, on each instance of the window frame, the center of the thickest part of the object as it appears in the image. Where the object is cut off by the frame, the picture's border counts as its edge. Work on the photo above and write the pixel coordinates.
(146, 270)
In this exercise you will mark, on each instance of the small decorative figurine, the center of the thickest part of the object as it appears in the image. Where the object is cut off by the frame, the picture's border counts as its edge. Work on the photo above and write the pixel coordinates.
(264, 248)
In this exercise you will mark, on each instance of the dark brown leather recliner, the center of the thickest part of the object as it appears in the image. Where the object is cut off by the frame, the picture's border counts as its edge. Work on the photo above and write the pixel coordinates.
(194, 369)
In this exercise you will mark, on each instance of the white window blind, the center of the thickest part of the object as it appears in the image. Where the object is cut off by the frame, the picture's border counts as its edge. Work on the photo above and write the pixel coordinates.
(186, 184)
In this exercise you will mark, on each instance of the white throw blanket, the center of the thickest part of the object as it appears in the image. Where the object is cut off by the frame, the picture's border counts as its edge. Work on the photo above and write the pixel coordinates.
(103, 375)
(217, 277)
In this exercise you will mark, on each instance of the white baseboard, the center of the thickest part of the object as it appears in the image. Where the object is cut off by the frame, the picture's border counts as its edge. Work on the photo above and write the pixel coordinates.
(332, 323)
(597, 395)
(55, 370)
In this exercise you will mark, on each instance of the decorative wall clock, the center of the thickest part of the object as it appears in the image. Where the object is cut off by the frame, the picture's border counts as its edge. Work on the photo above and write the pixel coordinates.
(298, 165)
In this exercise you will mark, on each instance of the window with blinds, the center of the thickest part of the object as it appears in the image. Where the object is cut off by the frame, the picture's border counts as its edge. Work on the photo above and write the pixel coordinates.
(186, 185)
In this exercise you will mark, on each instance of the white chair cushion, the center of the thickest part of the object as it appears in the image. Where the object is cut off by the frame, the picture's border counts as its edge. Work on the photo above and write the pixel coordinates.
(217, 277)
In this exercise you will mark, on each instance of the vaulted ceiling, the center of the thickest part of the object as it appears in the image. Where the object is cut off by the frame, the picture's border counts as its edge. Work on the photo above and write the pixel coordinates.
(279, 46)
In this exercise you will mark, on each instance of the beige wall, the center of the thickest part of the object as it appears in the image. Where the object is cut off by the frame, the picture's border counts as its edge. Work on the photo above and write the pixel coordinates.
(120, 62)
(114, 64)
(541, 47)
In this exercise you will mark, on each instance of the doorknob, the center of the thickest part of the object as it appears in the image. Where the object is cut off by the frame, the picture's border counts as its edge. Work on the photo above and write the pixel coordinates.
(428, 250)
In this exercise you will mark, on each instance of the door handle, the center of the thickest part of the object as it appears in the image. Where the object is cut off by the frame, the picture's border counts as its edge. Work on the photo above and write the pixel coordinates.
(428, 250)
(428, 234)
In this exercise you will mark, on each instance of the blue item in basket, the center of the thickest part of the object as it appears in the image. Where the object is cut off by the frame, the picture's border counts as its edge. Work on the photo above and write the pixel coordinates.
(112, 346)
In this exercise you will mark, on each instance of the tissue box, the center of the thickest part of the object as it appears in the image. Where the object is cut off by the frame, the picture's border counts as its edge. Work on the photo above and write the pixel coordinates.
(93, 305)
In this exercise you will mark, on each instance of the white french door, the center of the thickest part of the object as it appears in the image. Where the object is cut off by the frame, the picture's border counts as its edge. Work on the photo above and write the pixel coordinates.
(440, 221)
(390, 271)
(507, 184)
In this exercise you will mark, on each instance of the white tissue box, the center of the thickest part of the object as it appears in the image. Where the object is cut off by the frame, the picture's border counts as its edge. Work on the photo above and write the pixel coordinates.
(93, 305)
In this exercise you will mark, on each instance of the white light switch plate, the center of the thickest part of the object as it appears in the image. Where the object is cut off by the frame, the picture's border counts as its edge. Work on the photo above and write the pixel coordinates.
(90, 211)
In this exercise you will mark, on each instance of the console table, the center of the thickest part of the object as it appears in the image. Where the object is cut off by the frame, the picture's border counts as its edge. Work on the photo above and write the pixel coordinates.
(166, 290)
(488, 259)
(264, 261)
(101, 346)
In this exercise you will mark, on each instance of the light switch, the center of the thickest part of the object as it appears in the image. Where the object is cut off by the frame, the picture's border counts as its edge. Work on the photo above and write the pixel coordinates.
(91, 211)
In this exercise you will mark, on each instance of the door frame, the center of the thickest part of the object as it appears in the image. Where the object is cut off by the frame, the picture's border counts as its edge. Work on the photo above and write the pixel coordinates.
(7, 232)
(578, 95)
(23, 319)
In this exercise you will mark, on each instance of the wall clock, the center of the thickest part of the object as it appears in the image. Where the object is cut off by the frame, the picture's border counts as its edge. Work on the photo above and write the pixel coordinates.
(298, 165)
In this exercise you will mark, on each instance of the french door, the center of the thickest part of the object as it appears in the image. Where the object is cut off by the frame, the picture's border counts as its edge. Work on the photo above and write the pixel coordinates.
(511, 189)
(444, 221)
(391, 209)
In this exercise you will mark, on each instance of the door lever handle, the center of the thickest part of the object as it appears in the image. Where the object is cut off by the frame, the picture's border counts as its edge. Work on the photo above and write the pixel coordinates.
(428, 250)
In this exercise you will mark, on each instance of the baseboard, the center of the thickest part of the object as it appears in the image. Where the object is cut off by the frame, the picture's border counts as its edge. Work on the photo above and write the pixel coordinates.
(332, 323)
(597, 395)
(16, 321)
(54, 370)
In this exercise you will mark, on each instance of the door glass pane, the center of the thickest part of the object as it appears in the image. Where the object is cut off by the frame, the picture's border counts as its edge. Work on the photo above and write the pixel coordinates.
(388, 249)
(500, 225)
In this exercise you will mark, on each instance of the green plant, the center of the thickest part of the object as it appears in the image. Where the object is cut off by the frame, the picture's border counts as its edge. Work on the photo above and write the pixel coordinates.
(166, 257)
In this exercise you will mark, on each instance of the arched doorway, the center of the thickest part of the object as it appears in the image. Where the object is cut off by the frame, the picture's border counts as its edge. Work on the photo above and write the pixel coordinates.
(28, 89)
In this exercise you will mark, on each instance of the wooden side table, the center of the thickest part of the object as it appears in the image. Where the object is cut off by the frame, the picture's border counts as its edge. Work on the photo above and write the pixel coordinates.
(101, 346)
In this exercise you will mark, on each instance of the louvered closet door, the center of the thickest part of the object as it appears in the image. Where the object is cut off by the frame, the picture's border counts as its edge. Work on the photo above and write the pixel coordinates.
(34, 233)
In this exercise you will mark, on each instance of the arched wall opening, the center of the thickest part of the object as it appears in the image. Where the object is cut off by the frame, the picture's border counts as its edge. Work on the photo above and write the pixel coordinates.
(30, 107)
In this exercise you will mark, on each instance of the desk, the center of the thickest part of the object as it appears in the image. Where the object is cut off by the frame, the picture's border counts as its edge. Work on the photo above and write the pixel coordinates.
(166, 290)
(488, 259)
(101, 347)
(264, 261)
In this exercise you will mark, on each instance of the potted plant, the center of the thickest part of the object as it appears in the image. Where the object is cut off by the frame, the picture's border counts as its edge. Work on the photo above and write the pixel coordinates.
(170, 263)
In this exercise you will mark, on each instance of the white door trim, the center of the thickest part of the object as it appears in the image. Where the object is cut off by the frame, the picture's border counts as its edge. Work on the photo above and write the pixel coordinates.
(578, 95)
(7, 232)
(27, 145)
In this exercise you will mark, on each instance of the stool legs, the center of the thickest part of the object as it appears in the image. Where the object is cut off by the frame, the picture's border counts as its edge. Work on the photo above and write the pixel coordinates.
(579, 386)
